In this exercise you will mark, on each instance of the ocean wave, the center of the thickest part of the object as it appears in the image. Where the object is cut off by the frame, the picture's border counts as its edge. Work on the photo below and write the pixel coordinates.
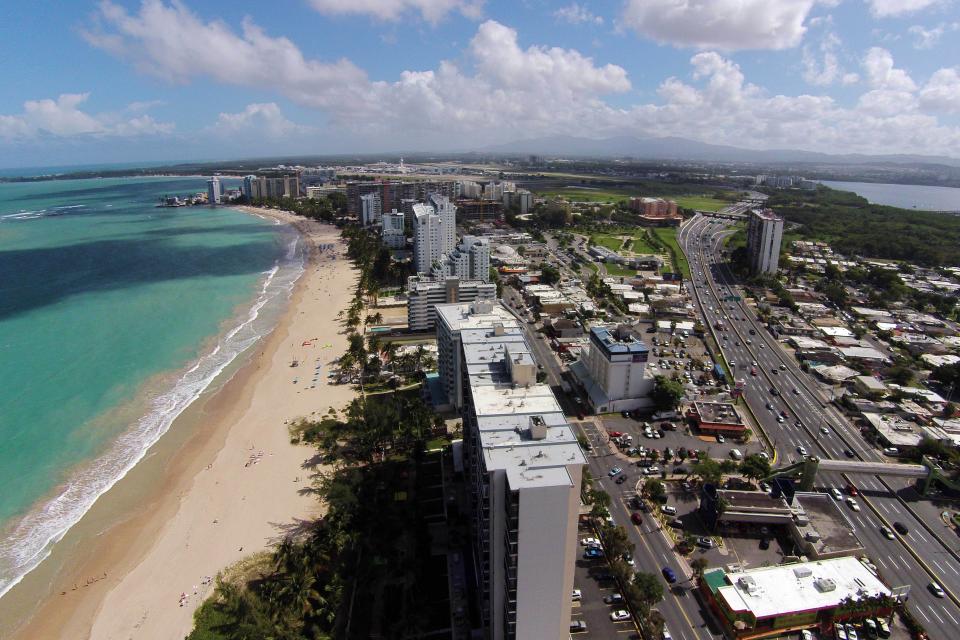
(33, 537)
(41, 213)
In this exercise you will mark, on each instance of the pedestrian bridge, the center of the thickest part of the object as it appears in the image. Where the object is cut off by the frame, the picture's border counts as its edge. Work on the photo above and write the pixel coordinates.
(808, 468)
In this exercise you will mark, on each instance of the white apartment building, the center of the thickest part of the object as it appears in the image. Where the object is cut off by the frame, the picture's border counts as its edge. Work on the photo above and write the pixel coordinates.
(392, 232)
(469, 261)
(213, 190)
(612, 370)
(523, 469)
(371, 209)
(764, 234)
(424, 294)
(434, 233)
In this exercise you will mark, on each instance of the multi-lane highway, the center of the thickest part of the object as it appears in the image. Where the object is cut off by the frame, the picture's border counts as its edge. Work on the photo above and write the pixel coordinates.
(795, 413)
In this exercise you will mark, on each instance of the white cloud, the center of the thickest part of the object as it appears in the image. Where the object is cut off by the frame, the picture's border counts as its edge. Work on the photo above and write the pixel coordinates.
(577, 14)
(890, 8)
(942, 91)
(258, 119)
(63, 118)
(829, 70)
(881, 74)
(928, 38)
(720, 24)
(432, 11)
(499, 90)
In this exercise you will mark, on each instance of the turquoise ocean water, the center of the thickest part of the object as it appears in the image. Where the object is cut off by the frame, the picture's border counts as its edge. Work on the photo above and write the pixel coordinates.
(114, 316)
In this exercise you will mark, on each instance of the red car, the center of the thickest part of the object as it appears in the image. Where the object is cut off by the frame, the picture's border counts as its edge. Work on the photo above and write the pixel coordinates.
(636, 518)
(852, 490)
(615, 434)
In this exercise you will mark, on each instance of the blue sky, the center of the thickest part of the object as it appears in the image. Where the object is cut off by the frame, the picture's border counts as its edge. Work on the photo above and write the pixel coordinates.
(121, 81)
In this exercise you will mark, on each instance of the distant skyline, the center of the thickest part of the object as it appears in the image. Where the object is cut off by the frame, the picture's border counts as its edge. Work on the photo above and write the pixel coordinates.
(116, 81)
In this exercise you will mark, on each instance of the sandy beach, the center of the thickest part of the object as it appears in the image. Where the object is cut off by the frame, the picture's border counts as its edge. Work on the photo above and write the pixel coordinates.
(230, 489)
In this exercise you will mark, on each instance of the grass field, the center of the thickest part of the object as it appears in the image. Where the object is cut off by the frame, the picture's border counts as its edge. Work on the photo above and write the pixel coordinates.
(668, 235)
(614, 269)
(605, 240)
(703, 203)
(613, 241)
(587, 195)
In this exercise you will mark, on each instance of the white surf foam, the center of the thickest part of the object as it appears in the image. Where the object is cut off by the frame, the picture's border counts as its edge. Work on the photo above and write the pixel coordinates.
(33, 537)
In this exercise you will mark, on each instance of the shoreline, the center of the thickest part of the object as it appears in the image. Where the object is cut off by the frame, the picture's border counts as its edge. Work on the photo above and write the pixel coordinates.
(206, 496)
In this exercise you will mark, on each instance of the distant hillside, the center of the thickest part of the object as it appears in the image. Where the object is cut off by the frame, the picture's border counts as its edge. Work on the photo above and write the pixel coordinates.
(675, 148)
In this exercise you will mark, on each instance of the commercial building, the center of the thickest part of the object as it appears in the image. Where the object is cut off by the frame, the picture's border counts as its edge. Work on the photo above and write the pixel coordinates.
(612, 371)
(425, 293)
(371, 209)
(393, 235)
(393, 193)
(771, 601)
(470, 260)
(717, 418)
(522, 466)
(656, 210)
(521, 198)
(434, 232)
(273, 187)
(213, 190)
(764, 234)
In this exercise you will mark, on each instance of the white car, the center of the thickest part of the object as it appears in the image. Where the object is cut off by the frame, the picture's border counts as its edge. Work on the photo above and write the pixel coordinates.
(590, 542)
(576, 595)
(666, 634)
(853, 504)
(619, 615)
(801, 450)
(836, 494)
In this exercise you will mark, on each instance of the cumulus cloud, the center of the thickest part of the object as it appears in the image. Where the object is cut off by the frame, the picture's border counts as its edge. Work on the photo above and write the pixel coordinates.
(928, 38)
(432, 11)
(892, 8)
(62, 117)
(259, 119)
(500, 90)
(577, 14)
(827, 69)
(881, 74)
(720, 24)
(942, 91)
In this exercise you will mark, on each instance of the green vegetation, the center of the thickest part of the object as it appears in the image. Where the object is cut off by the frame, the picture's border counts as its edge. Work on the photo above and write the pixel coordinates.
(666, 394)
(854, 226)
(702, 203)
(615, 269)
(610, 241)
(372, 542)
(573, 194)
(668, 239)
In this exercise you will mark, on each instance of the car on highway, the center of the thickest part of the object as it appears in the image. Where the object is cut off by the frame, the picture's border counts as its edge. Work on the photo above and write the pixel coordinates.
(852, 490)
(619, 615)
(613, 598)
(802, 450)
(848, 453)
(823, 430)
(886, 533)
(636, 518)
(936, 590)
(780, 419)
(613, 473)
(795, 392)
(901, 528)
(836, 494)
(854, 506)
(669, 575)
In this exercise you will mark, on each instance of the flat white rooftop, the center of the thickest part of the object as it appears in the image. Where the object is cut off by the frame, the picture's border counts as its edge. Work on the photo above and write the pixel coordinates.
(460, 317)
(804, 586)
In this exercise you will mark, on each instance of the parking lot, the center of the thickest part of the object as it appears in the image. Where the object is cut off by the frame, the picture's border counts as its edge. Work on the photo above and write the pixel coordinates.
(590, 577)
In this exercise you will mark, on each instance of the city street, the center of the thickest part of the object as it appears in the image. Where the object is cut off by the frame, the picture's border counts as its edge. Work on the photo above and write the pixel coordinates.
(749, 349)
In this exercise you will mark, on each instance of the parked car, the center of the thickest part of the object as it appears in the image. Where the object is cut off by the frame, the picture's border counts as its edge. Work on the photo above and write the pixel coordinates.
(705, 542)
(619, 615)
(852, 633)
(883, 629)
(891, 451)
(667, 509)
(676, 523)
(735, 454)
(621, 479)
(671, 577)
(578, 626)
(590, 542)
(615, 472)
(593, 553)
(613, 598)
(576, 595)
